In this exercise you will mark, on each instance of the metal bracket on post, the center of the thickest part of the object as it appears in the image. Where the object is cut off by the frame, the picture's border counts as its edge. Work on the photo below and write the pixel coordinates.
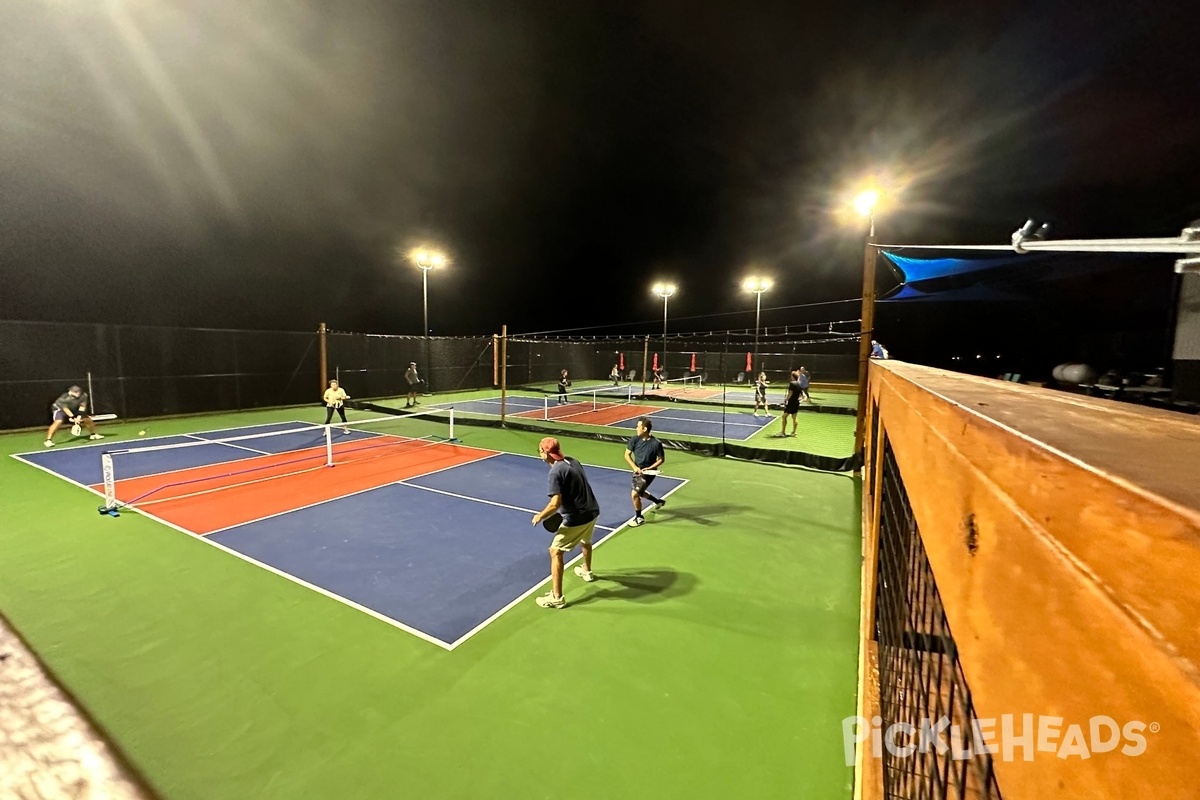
(1191, 263)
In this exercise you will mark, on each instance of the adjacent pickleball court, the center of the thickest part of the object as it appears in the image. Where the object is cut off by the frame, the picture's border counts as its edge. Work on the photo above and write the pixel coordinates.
(616, 407)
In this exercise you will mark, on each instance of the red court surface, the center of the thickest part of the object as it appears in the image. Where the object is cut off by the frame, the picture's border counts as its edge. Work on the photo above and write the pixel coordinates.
(201, 500)
(686, 394)
(583, 413)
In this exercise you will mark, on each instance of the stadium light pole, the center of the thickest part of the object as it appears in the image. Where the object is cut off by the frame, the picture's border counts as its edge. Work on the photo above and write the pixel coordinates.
(664, 290)
(758, 285)
(426, 260)
(865, 204)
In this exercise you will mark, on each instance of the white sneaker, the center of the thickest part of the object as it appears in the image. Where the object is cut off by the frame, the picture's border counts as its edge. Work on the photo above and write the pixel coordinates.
(95, 436)
(49, 443)
(548, 600)
(586, 574)
(638, 520)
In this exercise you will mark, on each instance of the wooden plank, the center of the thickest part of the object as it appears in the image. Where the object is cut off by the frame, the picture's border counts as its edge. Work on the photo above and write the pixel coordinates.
(1064, 535)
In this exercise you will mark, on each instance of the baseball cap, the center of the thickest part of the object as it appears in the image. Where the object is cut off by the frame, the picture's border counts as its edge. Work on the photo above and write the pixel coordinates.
(552, 448)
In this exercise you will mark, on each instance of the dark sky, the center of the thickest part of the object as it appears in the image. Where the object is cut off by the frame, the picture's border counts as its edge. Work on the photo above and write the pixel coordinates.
(242, 163)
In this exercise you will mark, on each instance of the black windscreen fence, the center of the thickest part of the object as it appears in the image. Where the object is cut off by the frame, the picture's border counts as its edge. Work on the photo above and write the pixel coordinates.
(143, 371)
(730, 359)
(374, 365)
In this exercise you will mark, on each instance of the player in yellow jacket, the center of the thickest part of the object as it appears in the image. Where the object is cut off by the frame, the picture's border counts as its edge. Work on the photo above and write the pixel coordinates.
(335, 397)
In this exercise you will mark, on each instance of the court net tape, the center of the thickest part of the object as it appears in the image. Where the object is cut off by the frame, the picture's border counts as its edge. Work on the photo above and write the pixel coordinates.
(200, 466)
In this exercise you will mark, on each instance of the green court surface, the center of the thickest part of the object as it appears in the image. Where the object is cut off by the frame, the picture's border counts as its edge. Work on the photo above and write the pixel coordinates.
(715, 658)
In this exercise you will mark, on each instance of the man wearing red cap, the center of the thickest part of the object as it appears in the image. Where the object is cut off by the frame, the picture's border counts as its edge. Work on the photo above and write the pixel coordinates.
(570, 495)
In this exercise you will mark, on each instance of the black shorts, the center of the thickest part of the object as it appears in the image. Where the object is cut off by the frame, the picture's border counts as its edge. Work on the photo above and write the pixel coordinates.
(641, 482)
(792, 408)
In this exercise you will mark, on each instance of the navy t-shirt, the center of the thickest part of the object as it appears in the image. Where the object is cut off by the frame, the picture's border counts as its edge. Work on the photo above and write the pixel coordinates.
(645, 451)
(568, 480)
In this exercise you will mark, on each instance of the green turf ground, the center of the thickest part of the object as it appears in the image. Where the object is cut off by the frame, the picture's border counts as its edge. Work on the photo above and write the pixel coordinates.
(715, 658)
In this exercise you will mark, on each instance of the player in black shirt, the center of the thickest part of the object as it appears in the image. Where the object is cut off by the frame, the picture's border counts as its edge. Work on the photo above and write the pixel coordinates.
(71, 406)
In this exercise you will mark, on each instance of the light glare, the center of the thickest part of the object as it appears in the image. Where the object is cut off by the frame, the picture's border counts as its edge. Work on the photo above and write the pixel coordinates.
(865, 202)
(427, 259)
(756, 284)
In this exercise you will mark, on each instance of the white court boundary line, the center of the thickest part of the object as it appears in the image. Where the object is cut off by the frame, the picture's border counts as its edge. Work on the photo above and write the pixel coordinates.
(317, 450)
(287, 575)
(727, 423)
(448, 646)
(478, 499)
(566, 565)
(228, 444)
(658, 414)
(339, 497)
(198, 434)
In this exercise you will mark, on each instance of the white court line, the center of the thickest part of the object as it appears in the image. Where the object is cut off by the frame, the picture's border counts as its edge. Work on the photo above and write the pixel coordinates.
(234, 446)
(726, 422)
(346, 601)
(532, 589)
(525, 595)
(141, 441)
(293, 578)
(49, 471)
(316, 451)
(478, 499)
(339, 497)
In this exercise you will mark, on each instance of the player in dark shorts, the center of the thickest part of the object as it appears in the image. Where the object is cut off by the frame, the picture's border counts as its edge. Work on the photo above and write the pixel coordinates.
(791, 405)
(644, 452)
(414, 384)
(71, 406)
(564, 383)
(760, 394)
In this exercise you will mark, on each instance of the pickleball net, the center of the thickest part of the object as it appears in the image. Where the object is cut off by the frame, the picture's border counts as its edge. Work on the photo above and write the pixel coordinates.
(582, 401)
(205, 464)
(679, 385)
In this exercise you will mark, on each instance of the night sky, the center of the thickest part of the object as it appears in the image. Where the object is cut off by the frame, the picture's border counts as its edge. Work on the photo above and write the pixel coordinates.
(260, 164)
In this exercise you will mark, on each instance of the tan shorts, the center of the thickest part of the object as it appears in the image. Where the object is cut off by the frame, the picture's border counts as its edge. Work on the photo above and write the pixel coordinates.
(568, 538)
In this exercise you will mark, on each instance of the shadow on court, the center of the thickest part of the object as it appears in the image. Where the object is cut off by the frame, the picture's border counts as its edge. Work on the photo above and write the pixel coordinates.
(645, 585)
(701, 515)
